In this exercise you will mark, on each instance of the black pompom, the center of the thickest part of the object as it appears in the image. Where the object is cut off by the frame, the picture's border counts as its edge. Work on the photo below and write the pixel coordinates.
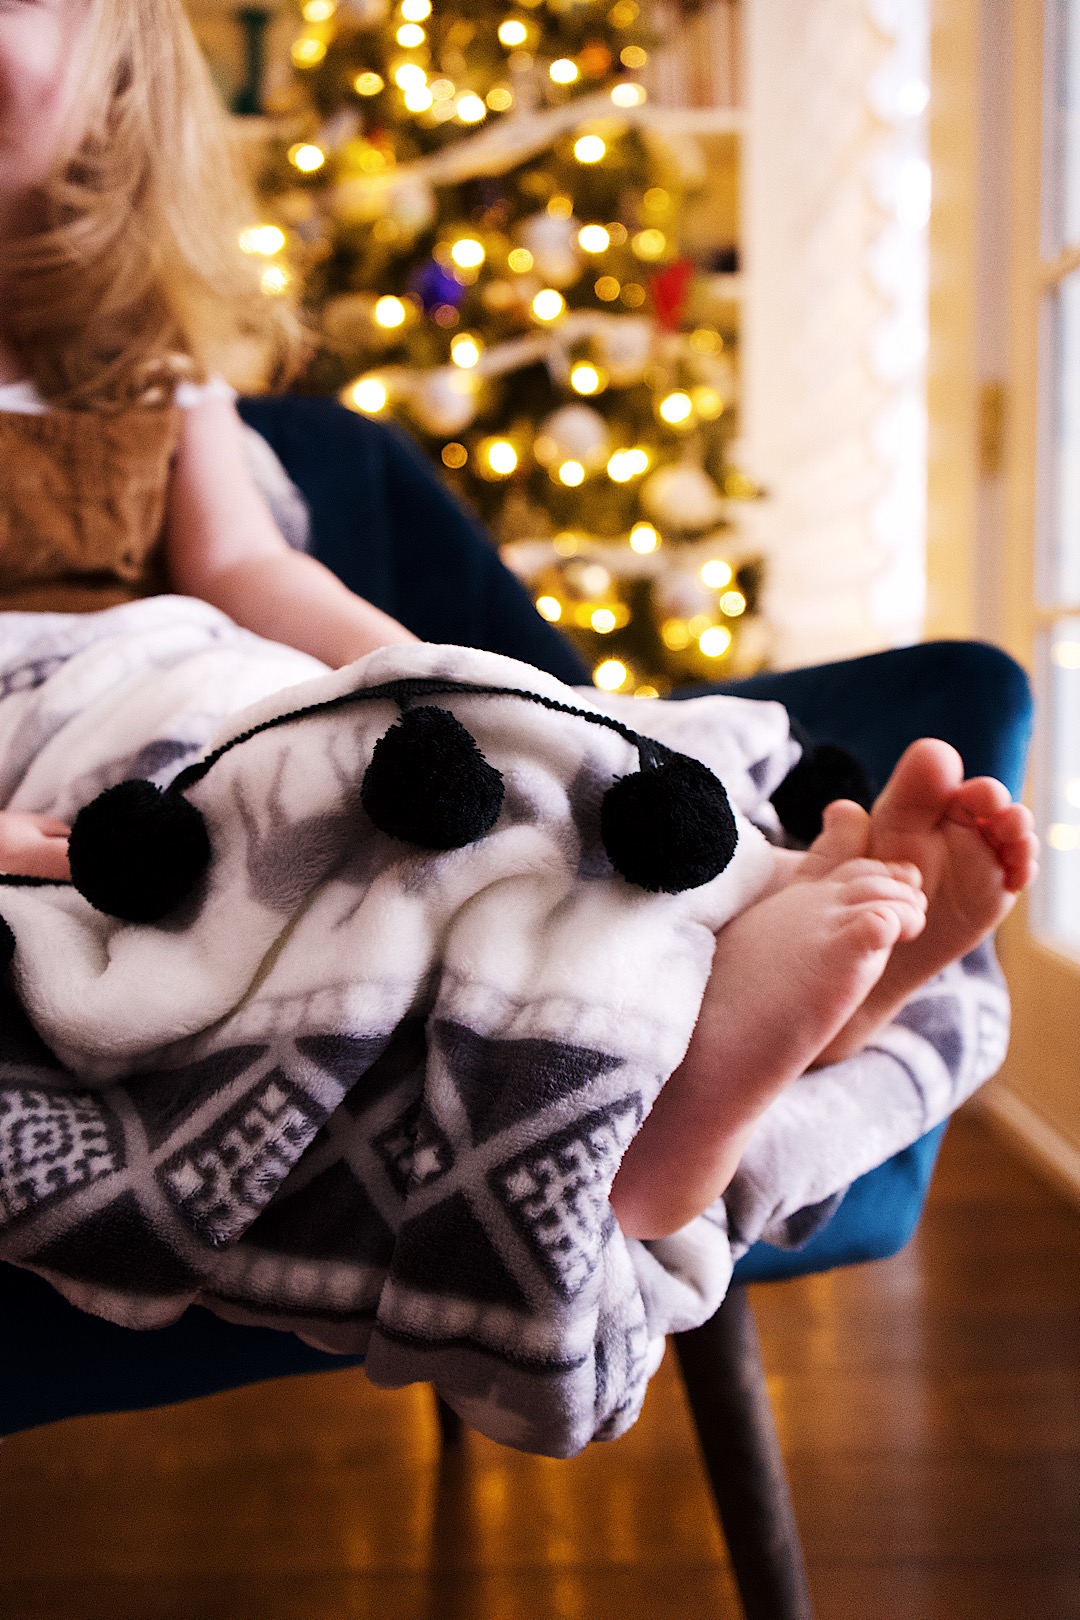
(823, 774)
(7, 944)
(429, 784)
(136, 852)
(668, 828)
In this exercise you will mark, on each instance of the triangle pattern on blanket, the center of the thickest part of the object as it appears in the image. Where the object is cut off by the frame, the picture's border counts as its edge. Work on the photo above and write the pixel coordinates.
(556, 1193)
(331, 1218)
(381, 1061)
(501, 1082)
(349, 1058)
(87, 1253)
(447, 1251)
(165, 1098)
(20, 1044)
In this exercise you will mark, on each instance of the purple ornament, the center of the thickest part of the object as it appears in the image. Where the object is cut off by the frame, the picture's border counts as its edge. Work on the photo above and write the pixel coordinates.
(434, 285)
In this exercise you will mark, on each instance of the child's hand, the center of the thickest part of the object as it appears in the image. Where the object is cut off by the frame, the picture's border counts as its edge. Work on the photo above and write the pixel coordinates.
(33, 846)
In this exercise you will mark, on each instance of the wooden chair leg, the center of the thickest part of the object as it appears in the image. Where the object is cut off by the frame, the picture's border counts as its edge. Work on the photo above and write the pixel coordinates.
(725, 1383)
(451, 1428)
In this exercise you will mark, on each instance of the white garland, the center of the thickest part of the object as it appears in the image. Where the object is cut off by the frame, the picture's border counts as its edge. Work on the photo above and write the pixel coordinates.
(504, 145)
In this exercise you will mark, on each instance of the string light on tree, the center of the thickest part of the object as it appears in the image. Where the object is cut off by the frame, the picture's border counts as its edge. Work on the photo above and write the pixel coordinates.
(611, 676)
(501, 457)
(262, 239)
(589, 149)
(306, 157)
(389, 311)
(643, 539)
(368, 395)
(467, 253)
(585, 379)
(465, 351)
(676, 408)
(548, 304)
(716, 573)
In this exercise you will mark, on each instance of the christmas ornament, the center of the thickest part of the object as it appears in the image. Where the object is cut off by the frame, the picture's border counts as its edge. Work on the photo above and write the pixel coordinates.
(577, 433)
(413, 205)
(669, 290)
(682, 496)
(444, 401)
(554, 246)
(435, 286)
(623, 346)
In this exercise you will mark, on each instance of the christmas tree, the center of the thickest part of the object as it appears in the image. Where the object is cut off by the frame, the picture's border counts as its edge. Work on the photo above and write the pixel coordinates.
(487, 216)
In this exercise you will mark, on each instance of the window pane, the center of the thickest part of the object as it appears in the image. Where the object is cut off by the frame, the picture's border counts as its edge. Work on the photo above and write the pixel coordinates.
(1065, 533)
(1060, 881)
(1065, 46)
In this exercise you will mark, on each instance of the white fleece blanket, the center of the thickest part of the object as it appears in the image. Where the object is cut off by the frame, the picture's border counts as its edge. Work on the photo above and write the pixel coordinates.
(374, 1093)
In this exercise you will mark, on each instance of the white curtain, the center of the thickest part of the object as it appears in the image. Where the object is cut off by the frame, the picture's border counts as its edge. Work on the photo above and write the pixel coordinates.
(836, 204)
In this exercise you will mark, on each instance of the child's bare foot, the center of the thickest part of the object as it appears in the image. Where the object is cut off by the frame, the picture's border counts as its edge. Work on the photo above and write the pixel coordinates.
(976, 851)
(787, 976)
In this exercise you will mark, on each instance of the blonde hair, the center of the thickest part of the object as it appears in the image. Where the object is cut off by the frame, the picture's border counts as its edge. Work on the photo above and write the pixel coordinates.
(131, 276)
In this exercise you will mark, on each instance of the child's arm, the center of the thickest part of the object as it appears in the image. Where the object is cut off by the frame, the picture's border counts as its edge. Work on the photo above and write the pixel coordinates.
(222, 545)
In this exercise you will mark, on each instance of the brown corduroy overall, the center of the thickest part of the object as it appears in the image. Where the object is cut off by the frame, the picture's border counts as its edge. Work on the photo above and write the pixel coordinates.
(82, 503)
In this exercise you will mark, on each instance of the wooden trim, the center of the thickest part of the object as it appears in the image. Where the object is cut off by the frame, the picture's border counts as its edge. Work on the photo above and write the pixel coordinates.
(1037, 1141)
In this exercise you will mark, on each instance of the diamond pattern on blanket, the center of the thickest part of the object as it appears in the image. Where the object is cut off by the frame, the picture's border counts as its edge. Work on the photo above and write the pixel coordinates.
(52, 1143)
(556, 1192)
(501, 1083)
(413, 1149)
(219, 1182)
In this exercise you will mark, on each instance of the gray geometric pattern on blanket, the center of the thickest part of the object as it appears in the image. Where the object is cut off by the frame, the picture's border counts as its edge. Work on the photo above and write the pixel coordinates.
(556, 1193)
(52, 1144)
(536, 1129)
(176, 1161)
(482, 1203)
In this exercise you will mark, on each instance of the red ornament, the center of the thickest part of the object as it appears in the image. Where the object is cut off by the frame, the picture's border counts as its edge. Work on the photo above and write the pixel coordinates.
(669, 290)
(594, 59)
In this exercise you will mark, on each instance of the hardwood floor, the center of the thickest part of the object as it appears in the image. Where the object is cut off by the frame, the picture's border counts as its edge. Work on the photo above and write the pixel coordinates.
(929, 1408)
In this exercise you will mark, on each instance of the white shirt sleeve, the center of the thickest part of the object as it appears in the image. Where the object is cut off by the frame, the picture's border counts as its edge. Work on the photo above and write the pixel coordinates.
(188, 394)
